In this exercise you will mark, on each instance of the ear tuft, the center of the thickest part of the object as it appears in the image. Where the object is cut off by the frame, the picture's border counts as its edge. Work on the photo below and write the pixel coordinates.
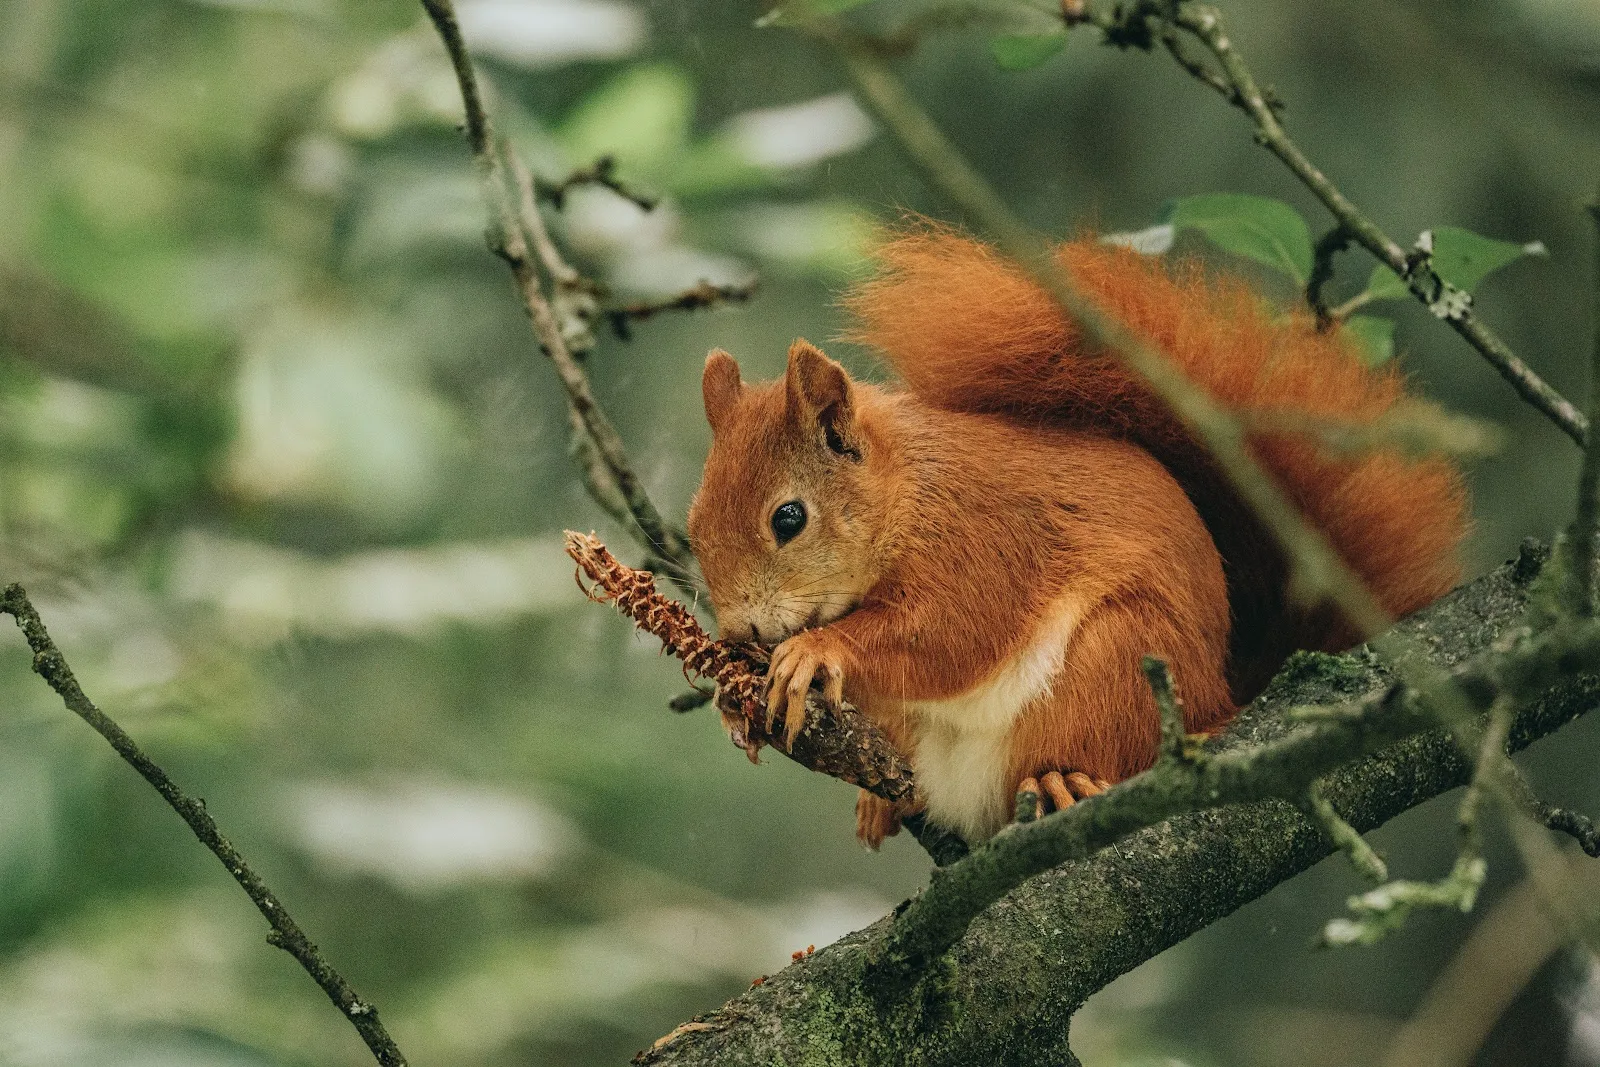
(720, 386)
(818, 392)
(814, 382)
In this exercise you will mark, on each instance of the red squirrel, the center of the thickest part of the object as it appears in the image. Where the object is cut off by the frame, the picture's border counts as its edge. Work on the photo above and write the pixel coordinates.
(979, 557)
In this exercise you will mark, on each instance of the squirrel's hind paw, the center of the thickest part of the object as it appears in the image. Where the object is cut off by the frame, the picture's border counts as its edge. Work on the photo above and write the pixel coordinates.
(877, 818)
(1057, 791)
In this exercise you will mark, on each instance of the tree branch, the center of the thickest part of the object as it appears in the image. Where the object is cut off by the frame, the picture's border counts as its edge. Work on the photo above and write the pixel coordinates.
(703, 295)
(1238, 86)
(1581, 540)
(517, 234)
(1007, 990)
(841, 743)
(51, 665)
(602, 172)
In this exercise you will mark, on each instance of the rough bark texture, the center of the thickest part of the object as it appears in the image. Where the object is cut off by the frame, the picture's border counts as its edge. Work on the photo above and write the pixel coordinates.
(1008, 990)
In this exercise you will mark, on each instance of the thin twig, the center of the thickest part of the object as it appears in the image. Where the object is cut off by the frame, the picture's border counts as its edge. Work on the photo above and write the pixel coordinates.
(1329, 245)
(703, 295)
(602, 172)
(1581, 828)
(1581, 539)
(517, 233)
(51, 665)
(1238, 86)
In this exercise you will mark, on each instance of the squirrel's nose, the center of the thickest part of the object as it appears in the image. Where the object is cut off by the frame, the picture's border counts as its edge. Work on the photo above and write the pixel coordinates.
(736, 630)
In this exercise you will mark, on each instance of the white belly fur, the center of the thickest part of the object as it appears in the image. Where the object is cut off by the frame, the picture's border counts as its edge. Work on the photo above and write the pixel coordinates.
(962, 743)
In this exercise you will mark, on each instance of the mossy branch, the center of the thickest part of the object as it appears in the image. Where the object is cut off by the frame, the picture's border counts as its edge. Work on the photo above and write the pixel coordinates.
(1006, 989)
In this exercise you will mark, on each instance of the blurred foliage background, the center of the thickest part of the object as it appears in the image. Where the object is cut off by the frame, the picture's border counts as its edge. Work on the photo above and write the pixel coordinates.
(283, 468)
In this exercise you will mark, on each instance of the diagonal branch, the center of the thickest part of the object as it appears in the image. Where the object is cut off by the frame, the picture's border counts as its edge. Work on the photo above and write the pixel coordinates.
(1238, 86)
(1317, 567)
(518, 235)
(51, 665)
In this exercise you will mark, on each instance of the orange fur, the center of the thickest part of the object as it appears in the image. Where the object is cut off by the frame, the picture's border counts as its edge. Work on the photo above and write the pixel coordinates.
(989, 552)
(968, 331)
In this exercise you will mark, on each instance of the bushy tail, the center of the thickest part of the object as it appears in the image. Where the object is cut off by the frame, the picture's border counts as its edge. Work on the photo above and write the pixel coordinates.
(967, 330)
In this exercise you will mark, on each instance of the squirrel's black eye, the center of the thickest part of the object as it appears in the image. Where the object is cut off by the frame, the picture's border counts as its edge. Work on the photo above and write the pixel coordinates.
(788, 521)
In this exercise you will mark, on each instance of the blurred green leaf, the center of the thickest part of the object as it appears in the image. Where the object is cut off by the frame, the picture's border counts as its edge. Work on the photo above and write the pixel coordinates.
(1257, 227)
(716, 165)
(1024, 51)
(1460, 257)
(797, 11)
(827, 237)
(641, 117)
(1373, 334)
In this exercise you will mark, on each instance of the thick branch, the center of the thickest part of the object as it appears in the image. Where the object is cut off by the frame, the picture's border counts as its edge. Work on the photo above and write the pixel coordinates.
(1006, 992)
(50, 665)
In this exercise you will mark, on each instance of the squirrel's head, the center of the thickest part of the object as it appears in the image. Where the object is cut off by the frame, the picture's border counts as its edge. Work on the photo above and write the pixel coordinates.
(784, 523)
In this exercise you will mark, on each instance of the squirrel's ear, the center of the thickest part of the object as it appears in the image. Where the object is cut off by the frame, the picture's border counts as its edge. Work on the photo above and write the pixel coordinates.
(720, 386)
(819, 391)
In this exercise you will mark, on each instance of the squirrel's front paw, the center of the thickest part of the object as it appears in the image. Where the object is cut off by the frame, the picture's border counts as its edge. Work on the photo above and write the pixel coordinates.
(795, 663)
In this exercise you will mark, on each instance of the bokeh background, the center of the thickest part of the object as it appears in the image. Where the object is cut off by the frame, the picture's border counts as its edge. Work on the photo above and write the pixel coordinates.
(283, 467)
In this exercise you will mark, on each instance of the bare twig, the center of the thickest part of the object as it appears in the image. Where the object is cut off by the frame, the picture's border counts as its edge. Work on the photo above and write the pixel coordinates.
(1581, 539)
(703, 295)
(51, 665)
(1238, 86)
(602, 172)
(1581, 828)
(517, 234)
(1329, 245)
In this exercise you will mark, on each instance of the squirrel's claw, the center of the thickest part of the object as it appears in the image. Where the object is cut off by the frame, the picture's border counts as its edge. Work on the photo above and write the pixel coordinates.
(796, 663)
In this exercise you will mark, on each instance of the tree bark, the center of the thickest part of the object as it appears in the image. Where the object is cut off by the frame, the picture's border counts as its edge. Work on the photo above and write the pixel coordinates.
(1006, 993)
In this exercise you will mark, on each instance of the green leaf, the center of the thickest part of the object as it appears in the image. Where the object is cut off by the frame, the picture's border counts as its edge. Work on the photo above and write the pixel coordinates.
(641, 117)
(1373, 334)
(1024, 51)
(1257, 227)
(1460, 257)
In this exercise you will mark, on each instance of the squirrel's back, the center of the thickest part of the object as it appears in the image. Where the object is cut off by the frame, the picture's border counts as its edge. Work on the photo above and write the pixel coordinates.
(968, 331)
